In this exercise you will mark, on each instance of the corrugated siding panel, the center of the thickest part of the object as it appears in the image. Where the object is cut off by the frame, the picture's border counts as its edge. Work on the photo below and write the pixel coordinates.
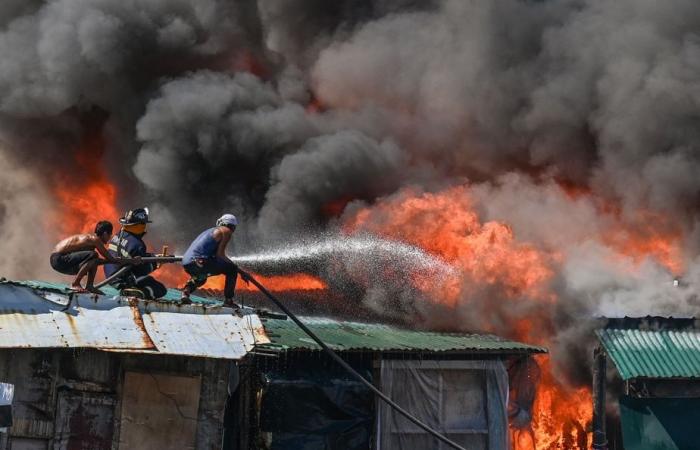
(339, 335)
(653, 353)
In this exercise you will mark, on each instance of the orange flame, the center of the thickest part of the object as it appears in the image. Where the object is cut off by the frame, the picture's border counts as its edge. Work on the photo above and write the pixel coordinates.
(651, 237)
(273, 283)
(174, 275)
(562, 415)
(85, 195)
(445, 224)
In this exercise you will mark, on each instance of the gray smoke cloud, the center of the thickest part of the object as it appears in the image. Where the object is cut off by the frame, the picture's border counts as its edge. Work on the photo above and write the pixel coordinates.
(346, 163)
(277, 111)
(599, 94)
(23, 207)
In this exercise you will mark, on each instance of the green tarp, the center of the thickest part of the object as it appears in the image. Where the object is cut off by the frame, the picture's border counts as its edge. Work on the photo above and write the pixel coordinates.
(660, 423)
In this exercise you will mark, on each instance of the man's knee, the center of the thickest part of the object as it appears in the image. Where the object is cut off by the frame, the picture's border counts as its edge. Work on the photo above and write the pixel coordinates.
(90, 258)
(195, 282)
(93, 261)
(159, 290)
(152, 288)
(230, 268)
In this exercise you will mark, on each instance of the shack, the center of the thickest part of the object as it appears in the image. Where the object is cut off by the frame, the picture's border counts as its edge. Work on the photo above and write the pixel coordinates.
(657, 360)
(108, 372)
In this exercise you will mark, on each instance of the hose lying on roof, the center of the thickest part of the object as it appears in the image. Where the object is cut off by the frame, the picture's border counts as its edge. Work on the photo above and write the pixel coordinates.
(126, 267)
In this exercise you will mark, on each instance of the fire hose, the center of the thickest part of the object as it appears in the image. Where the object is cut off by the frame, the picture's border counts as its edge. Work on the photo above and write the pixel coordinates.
(127, 266)
(249, 278)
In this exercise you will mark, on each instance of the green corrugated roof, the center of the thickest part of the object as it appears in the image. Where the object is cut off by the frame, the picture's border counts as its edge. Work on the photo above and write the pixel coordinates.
(173, 295)
(664, 353)
(340, 335)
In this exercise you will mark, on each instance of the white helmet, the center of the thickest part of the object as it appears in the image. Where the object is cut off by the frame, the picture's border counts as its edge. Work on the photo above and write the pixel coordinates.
(227, 220)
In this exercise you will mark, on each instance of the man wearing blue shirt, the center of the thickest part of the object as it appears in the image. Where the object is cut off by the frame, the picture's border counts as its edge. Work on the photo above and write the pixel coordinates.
(206, 256)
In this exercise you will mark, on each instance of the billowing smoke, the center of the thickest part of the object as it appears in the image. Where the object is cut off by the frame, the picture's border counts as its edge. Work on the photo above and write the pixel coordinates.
(573, 122)
(22, 206)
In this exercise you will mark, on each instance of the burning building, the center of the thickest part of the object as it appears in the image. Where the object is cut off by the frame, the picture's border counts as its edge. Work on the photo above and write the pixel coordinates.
(506, 167)
(112, 372)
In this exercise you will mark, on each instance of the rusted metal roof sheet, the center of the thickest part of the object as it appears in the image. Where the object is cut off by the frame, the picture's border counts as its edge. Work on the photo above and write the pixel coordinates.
(226, 335)
(28, 320)
(50, 318)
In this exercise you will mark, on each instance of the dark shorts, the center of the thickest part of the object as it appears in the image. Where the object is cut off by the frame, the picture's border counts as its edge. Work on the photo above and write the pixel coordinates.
(70, 263)
(213, 266)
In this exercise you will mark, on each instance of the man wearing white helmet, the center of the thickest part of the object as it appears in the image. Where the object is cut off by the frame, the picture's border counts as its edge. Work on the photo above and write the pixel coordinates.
(206, 256)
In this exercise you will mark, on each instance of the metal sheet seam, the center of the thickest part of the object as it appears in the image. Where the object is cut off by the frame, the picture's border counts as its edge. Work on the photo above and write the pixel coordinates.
(657, 357)
(690, 349)
(63, 338)
(654, 357)
(675, 364)
(693, 350)
(617, 341)
(677, 341)
(138, 320)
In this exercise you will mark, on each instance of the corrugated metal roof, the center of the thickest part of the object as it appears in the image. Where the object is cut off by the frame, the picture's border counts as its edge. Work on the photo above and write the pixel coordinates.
(173, 295)
(39, 314)
(662, 353)
(340, 335)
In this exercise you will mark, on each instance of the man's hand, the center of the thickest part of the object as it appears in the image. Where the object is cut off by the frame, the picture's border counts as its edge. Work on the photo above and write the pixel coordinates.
(245, 276)
(136, 260)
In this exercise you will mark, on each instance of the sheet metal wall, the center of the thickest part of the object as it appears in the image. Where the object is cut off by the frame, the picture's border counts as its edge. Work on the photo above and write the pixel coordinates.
(71, 398)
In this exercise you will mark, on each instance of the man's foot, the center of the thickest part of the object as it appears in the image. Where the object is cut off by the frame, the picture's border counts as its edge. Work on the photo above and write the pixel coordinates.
(229, 303)
(95, 290)
(185, 299)
(132, 292)
(78, 288)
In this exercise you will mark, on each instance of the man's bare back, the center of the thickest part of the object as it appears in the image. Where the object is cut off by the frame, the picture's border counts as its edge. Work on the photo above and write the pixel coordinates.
(78, 242)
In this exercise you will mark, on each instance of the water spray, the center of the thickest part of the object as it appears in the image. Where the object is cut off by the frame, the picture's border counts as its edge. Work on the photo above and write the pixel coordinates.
(308, 254)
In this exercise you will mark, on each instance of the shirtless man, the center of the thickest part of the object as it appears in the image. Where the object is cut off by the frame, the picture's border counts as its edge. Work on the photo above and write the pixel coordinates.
(78, 255)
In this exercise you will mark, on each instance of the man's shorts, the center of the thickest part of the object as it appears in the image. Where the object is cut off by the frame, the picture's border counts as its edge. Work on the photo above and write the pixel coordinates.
(70, 263)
